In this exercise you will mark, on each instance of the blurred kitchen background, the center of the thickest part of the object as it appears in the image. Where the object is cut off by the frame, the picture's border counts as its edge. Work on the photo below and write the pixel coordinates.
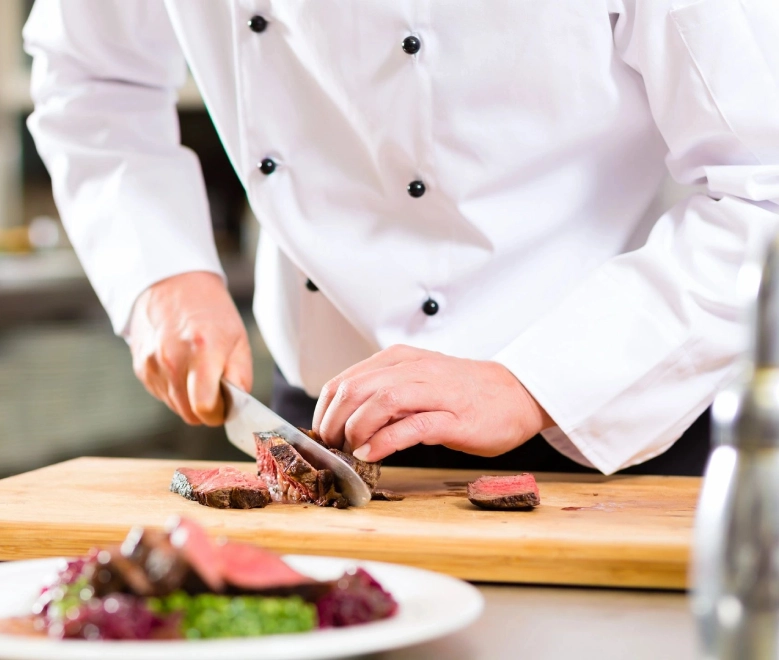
(66, 383)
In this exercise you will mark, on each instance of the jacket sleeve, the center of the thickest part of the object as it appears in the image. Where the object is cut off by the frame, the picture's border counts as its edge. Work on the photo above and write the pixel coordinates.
(638, 349)
(104, 82)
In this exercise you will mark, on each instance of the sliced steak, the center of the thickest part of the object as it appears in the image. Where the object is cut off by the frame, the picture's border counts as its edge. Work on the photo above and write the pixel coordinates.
(198, 551)
(387, 495)
(253, 568)
(290, 477)
(222, 488)
(154, 563)
(329, 495)
(113, 573)
(369, 472)
(515, 492)
(249, 569)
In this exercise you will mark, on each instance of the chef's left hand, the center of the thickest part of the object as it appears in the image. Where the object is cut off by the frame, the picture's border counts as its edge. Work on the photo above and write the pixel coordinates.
(403, 396)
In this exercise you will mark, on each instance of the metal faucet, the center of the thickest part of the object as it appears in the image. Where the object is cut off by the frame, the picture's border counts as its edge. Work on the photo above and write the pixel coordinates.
(735, 570)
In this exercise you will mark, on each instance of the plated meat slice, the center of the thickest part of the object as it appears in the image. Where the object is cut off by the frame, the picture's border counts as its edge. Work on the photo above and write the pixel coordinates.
(181, 584)
(155, 563)
(291, 478)
(249, 569)
(151, 563)
(514, 492)
(223, 488)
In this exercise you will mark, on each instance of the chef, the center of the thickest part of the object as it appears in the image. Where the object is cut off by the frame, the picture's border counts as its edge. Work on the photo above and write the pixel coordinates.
(451, 197)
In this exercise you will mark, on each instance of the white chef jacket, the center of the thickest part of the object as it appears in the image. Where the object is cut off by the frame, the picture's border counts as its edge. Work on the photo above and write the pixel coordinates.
(540, 130)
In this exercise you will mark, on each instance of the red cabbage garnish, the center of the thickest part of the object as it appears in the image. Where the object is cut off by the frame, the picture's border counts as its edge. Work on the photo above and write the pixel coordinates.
(114, 617)
(69, 609)
(356, 598)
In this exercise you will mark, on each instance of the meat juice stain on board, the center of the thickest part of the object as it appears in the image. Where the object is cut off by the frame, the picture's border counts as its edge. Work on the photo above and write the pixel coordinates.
(600, 506)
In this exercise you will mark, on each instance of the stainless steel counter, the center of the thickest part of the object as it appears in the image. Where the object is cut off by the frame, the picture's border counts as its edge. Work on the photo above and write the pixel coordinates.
(549, 623)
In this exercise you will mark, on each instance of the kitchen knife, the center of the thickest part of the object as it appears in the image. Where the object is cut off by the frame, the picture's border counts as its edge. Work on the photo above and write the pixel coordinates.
(245, 416)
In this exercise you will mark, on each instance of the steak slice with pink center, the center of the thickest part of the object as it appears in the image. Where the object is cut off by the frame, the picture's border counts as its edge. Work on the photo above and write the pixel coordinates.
(291, 478)
(223, 488)
(515, 492)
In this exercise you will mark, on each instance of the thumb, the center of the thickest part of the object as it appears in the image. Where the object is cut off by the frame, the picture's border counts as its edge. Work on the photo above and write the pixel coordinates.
(203, 380)
(203, 389)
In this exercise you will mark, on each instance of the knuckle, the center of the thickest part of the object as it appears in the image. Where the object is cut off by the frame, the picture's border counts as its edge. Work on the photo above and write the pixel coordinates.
(324, 432)
(196, 340)
(348, 390)
(330, 388)
(400, 350)
(167, 359)
(387, 398)
(390, 437)
(352, 429)
(421, 425)
(328, 433)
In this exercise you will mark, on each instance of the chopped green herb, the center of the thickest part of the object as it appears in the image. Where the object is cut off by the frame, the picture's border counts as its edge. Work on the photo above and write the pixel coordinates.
(66, 598)
(210, 615)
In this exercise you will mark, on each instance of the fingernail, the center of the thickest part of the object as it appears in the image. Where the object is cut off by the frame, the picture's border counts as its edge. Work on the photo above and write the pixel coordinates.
(361, 453)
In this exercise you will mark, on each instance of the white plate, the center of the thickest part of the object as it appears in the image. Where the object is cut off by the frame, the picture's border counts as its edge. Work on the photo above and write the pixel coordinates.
(431, 606)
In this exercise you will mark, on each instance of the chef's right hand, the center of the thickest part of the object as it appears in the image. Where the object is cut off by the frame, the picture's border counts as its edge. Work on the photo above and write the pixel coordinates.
(185, 334)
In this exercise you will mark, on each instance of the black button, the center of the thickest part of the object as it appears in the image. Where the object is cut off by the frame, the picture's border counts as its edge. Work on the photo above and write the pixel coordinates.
(257, 24)
(430, 307)
(416, 189)
(411, 45)
(267, 166)
(311, 286)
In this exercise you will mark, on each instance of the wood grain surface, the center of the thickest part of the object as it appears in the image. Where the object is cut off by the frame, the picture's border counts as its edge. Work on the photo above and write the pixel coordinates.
(628, 531)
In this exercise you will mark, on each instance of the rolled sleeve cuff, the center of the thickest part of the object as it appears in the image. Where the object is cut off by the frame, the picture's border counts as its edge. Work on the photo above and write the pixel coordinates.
(612, 372)
(120, 302)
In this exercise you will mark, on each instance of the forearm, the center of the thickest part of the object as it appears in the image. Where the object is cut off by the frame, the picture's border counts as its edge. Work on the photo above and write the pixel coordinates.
(131, 198)
(638, 350)
(632, 356)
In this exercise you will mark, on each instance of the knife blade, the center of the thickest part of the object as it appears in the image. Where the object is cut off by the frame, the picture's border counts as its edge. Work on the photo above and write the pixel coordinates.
(244, 416)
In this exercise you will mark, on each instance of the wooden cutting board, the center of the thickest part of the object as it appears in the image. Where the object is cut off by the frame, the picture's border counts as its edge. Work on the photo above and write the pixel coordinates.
(627, 531)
